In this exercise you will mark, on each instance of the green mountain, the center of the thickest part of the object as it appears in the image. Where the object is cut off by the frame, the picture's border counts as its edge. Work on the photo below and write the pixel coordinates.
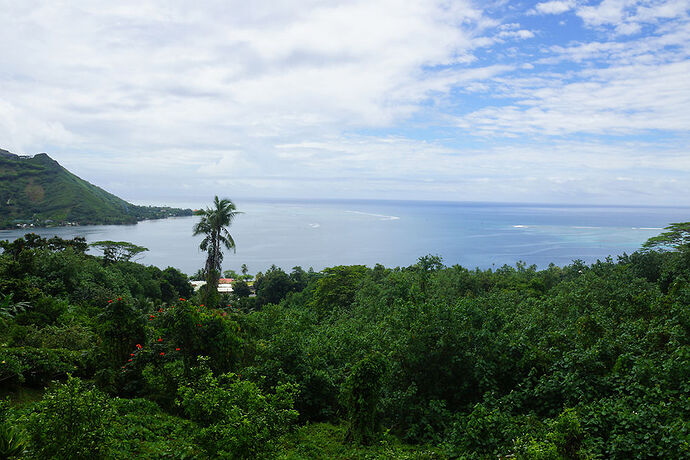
(37, 190)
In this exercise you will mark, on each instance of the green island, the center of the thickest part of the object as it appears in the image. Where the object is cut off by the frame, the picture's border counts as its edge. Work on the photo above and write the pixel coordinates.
(38, 192)
(102, 357)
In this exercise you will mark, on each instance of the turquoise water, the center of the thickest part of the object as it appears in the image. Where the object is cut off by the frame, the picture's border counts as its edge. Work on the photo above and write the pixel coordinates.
(319, 234)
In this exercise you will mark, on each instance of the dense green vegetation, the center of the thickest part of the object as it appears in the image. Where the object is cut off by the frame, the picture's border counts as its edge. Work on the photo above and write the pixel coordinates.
(38, 191)
(426, 361)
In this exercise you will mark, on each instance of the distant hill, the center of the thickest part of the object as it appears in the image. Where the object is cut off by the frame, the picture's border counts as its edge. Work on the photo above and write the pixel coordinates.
(37, 190)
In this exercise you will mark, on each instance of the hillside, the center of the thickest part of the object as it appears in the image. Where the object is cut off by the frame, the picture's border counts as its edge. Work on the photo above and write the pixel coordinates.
(37, 190)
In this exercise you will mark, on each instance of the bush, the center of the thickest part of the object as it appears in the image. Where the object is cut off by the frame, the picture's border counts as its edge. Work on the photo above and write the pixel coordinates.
(142, 430)
(561, 441)
(487, 432)
(71, 421)
(238, 420)
(71, 337)
(361, 395)
(38, 366)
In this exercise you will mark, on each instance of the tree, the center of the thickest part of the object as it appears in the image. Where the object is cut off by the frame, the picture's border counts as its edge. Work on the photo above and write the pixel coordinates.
(272, 286)
(213, 224)
(231, 274)
(245, 273)
(117, 251)
(178, 281)
(10, 308)
(34, 241)
(240, 289)
(676, 238)
(338, 287)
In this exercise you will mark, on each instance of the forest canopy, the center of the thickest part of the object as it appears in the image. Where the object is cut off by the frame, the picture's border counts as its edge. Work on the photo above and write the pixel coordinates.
(426, 361)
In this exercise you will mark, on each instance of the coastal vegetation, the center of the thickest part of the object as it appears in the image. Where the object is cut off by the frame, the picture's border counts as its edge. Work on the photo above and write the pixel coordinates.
(213, 224)
(38, 192)
(120, 360)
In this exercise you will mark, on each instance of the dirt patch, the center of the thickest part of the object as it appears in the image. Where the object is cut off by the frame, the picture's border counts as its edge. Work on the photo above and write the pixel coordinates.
(35, 192)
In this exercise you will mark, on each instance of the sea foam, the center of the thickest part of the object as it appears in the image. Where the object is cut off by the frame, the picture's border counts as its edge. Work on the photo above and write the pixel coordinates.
(380, 216)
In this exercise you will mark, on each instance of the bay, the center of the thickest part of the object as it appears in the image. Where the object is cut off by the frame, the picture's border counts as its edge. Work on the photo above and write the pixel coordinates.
(324, 233)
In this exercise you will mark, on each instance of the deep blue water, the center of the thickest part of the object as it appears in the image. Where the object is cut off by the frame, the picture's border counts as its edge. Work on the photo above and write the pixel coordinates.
(319, 234)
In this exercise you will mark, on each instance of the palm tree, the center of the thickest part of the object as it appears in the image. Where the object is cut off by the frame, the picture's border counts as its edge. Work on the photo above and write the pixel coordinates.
(9, 308)
(214, 222)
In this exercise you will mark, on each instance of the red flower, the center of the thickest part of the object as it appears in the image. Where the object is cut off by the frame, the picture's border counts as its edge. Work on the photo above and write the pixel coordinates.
(177, 349)
(129, 360)
(160, 339)
(162, 353)
(119, 298)
(110, 301)
(139, 346)
(131, 354)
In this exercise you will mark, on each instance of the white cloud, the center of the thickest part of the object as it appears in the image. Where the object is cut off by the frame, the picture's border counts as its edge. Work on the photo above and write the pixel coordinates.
(619, 100)
(554, 7)
(174, 66)
(628, 16)
(19, 129)
(373, 98)
(522, 34)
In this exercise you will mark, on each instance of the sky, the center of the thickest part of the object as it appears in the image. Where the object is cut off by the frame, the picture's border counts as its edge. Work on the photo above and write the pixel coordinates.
(564, 101)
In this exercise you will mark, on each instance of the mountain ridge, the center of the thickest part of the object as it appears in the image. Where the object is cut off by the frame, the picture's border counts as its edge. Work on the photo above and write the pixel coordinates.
(37, 191)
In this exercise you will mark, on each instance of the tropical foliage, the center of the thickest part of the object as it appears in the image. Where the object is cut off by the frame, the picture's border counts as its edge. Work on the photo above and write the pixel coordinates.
(427, 361)
(117, 251)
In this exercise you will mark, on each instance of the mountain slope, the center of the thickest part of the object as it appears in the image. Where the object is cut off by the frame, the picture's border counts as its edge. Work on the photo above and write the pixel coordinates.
(37, 190)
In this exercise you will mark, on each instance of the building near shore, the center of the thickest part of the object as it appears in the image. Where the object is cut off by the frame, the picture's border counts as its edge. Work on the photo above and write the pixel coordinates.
(224, 285)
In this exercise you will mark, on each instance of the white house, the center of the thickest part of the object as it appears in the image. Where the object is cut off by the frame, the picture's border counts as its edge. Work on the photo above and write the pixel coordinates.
(224, 285)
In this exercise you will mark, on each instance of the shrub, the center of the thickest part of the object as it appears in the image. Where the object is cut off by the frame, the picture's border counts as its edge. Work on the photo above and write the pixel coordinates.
(71, 421)
(361, 394)
(40, 365)
(142, 430)
(561, 441)
(238, 420)
(487, 432)
(71, 337)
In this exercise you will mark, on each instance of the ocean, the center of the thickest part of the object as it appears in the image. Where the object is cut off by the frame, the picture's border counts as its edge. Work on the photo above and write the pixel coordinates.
(326, 233)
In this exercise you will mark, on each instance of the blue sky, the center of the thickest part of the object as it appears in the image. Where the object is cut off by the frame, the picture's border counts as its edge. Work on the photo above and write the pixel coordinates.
(158, 101)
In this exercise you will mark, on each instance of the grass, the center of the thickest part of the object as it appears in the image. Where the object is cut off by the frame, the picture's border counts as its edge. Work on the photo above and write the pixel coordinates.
(20, 396)
(321, 441)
